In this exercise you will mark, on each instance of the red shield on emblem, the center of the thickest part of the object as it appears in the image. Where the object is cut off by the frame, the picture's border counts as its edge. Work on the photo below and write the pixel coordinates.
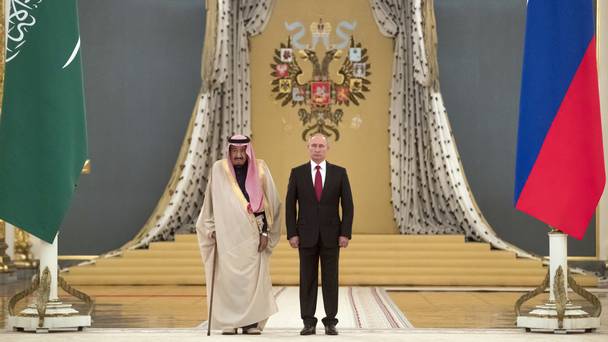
(282, 70)
(320, 93)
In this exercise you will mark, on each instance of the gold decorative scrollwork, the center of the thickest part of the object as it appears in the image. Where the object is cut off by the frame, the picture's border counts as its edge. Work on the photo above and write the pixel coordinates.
(44, 292)
(78, 294)
(42, 284)
(529, 295)
(12, 303)
(590, 297)
(561, 299)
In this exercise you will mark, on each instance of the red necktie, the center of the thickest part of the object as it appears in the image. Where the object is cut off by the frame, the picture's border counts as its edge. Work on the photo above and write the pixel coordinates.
(318, 183)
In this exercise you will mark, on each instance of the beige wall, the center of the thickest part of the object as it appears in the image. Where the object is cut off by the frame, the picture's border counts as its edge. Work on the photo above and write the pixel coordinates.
(363, 150)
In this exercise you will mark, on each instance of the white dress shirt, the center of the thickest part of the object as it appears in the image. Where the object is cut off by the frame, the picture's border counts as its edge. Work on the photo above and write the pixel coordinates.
(313, 170)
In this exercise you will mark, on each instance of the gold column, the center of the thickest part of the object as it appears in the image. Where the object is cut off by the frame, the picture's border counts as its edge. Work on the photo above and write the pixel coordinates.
(6, 265)
(23, 257)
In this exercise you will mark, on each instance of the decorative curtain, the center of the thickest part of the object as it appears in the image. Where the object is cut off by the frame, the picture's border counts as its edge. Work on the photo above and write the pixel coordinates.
(430, 194)
(222, 109)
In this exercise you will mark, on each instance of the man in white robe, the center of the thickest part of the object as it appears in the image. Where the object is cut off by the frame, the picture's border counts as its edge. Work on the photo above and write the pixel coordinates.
(240, 216)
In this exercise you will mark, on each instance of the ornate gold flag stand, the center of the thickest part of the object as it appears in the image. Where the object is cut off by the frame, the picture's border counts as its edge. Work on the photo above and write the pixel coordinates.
(558, 314)
(48, 313)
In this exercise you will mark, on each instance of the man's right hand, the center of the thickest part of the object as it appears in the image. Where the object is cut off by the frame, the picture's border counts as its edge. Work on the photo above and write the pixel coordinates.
(294, 242)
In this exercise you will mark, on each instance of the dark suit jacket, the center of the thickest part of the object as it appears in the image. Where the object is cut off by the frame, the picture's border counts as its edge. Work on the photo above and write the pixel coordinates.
(314, 220)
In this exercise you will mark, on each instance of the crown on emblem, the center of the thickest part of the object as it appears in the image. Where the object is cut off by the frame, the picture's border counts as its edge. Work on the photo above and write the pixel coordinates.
(320, 27)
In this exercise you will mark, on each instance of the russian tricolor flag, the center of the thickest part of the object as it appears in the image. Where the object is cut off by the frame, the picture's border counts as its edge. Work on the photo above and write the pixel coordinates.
(559, 176)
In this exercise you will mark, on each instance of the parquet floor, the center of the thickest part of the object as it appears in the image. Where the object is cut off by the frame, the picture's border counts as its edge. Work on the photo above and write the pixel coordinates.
(478, 310)
(185, 307)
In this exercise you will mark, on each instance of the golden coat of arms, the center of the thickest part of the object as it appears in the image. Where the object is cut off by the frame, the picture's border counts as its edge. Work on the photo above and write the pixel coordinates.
(320, 92)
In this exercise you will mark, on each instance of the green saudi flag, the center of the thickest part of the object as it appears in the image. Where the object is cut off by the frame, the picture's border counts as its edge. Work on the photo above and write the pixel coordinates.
(42, 124)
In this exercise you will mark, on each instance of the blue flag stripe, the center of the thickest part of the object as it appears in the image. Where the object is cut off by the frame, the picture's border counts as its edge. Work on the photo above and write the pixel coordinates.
(558, 33)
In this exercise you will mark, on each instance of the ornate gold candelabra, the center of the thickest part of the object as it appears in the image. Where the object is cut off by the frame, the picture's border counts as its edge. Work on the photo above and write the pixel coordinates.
(6, 265)
(23, 257)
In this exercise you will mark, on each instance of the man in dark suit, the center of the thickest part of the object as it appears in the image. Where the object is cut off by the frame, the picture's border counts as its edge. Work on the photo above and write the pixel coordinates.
(318, 188)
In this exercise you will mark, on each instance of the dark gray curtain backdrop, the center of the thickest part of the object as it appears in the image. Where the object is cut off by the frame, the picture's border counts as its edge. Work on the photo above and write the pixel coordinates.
(141, 61)
(142, 73)
(480, 58)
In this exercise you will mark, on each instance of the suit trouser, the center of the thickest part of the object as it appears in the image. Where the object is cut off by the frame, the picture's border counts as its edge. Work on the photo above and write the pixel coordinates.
(309, 282)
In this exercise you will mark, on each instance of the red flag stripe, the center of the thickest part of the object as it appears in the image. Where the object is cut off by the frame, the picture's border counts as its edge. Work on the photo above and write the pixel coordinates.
(568, 178)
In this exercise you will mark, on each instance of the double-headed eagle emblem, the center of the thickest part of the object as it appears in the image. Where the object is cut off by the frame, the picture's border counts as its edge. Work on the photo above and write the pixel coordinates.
(317, 95)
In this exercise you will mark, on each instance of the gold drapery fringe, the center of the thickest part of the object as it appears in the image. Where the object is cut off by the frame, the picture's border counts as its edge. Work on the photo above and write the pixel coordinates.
(430, 41)
(209, 44)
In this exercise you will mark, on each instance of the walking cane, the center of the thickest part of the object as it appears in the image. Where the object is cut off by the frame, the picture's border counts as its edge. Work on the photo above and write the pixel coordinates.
(212, 287)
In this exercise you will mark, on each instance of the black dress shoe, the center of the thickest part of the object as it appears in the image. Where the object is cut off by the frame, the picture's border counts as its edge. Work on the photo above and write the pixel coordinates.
(308, 330)
(331, 330)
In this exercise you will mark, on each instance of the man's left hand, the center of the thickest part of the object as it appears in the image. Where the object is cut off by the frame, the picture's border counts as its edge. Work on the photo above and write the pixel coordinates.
(343, 241)
(263, 243)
